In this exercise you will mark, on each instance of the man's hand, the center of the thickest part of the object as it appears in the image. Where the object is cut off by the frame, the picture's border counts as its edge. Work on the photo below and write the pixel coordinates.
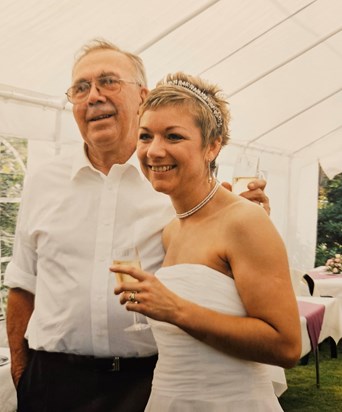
(17, 370)
(255, 193)
(19, 310)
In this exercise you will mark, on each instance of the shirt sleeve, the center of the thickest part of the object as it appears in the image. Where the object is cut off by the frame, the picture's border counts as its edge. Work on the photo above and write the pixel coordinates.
(18, 278)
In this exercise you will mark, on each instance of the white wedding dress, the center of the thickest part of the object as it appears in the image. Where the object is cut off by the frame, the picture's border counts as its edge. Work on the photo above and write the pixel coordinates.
(191, 376)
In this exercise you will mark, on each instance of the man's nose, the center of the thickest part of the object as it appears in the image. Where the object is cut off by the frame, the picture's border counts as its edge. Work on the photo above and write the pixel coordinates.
(95, 94)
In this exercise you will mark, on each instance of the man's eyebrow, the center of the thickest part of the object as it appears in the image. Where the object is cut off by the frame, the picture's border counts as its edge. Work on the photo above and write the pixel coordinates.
(103, 74)
(81, 80)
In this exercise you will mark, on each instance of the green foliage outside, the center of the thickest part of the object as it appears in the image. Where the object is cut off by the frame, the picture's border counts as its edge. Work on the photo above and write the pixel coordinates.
(329, 225)
(13, 158)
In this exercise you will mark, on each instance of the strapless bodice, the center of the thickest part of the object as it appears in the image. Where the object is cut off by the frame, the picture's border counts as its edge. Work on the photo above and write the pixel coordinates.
(192, 376)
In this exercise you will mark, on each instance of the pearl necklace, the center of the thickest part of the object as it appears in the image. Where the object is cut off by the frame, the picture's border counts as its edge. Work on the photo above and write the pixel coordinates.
(201, 204)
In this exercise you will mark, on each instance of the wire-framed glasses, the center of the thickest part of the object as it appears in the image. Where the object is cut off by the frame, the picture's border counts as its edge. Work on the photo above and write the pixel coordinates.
(105, 84)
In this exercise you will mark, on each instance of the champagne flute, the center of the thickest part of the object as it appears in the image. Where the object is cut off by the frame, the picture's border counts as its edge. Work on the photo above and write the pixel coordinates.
(130, 257)
(246, 169)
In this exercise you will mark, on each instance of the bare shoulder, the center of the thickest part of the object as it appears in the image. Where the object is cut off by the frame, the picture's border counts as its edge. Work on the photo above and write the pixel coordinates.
(250, 210)
(243, 214)
(239, 206)
(251, 228)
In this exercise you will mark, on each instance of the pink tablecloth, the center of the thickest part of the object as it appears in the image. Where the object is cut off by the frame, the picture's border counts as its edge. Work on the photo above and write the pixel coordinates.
(324, 275)
(314, 314)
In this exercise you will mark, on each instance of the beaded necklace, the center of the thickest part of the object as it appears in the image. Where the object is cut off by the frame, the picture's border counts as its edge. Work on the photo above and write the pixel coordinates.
(201, 204)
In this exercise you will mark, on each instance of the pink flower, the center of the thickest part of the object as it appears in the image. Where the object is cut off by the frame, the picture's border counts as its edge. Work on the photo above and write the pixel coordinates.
(334, 264)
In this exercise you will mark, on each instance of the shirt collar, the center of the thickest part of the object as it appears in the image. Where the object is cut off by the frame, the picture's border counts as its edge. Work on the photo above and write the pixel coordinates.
(81, 161)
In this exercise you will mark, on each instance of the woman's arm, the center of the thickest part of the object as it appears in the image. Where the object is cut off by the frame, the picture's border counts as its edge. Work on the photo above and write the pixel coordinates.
(270, 333)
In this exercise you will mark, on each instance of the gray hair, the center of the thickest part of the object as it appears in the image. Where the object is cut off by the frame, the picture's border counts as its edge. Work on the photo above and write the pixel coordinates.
(100, 44)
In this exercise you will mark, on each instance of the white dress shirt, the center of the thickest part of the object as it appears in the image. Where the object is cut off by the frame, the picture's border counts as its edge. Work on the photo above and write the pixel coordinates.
(71, 219)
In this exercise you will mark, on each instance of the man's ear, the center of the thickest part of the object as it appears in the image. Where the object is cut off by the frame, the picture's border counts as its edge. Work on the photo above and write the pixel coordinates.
(143, 94)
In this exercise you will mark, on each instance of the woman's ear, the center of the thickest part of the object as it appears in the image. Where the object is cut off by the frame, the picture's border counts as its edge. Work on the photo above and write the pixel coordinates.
(214, 148)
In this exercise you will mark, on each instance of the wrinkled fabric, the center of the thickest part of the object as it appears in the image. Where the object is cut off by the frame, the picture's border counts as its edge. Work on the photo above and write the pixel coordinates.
(192, 376)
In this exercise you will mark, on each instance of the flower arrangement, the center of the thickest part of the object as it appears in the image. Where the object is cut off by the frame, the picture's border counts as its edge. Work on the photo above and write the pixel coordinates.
(334, 264)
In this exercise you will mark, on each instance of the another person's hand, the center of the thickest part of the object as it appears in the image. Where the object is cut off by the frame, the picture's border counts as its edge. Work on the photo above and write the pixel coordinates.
(255, 193)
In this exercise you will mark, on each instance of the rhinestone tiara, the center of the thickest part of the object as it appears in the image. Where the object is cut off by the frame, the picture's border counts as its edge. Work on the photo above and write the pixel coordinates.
(200, 95)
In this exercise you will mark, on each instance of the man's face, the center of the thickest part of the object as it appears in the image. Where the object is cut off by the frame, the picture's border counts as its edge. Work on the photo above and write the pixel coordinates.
(108, 122)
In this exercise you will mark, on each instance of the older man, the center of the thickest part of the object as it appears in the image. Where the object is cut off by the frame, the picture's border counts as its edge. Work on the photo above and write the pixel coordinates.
(66, 329)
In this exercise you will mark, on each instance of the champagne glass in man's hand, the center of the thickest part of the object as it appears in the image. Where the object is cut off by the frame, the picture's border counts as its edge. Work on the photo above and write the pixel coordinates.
(246, 169)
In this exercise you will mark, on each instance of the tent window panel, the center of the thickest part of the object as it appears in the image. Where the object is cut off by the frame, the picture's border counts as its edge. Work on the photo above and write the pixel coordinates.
(13, 160)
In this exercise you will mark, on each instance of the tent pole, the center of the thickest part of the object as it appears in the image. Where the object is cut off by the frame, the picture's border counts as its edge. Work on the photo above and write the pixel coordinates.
(46, 102)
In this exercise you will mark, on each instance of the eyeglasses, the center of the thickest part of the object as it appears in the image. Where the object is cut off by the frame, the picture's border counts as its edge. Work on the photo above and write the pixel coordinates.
(106, 85)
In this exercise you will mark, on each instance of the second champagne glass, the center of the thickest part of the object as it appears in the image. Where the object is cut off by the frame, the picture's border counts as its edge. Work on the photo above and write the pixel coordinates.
(129, 256)
(246, 169)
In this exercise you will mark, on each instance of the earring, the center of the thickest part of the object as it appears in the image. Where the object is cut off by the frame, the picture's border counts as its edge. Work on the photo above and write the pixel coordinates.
(210, 178)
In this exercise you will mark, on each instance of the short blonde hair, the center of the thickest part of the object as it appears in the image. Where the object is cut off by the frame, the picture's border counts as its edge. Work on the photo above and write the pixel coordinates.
(204, 100)
(100, 44)
(168, 93)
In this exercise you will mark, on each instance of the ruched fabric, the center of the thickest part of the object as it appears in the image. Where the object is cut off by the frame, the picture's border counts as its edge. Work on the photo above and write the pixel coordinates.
(192, 376)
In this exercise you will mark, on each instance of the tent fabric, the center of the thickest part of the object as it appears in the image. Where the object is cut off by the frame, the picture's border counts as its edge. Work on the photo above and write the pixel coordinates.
(279, 63)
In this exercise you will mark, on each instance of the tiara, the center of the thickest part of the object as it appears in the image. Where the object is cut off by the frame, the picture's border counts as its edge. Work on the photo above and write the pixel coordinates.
(200, 95)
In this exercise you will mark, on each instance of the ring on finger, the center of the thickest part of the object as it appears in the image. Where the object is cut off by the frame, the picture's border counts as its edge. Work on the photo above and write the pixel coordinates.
(131, 297)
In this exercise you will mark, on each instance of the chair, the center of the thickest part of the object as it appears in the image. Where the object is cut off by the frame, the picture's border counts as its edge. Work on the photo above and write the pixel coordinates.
(301, 285)
(310, 282)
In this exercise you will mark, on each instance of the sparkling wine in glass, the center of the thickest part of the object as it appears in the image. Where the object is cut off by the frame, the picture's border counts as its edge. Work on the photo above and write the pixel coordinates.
(246, 169)
(130, 257)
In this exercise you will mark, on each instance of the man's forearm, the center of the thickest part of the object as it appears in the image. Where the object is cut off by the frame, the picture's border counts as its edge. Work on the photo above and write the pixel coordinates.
(19, 310)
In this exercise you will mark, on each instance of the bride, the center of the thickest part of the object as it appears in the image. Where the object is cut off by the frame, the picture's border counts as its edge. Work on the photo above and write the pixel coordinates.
(222, 305)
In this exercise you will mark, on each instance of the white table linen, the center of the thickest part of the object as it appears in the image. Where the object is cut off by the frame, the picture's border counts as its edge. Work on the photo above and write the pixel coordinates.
(329, 286)
(331, 325)
(8, 395)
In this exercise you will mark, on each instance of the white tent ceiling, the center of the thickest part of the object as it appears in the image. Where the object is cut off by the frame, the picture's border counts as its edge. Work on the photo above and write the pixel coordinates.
(279, 61)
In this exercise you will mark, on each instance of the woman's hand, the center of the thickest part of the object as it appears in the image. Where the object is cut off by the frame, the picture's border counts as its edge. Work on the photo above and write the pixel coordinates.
(151, 297)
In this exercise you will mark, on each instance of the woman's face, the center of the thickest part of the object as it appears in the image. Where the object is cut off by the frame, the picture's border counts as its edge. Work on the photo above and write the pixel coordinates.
(170, 150)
